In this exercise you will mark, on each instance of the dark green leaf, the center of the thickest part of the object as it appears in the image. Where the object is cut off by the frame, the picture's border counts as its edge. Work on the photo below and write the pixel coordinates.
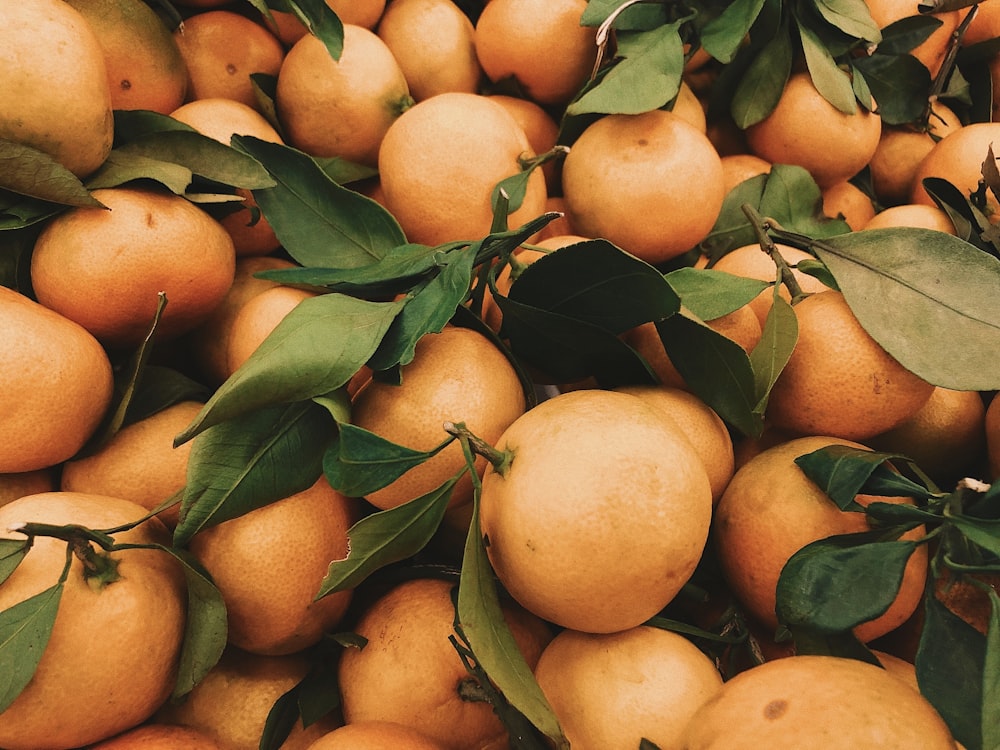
(761, 87)
(322, 22)
(28, 171)
(319, 222)
(845, 645)
(12, 551)
(359, 462)
(950, 660)
(889, 514)
(645, 744)
(637, 16)
(20, 212)
(980, 531)
(491, 640)
(991, 677)
(711, 294)
(315, 349)
(134, 124)
(826, 75)
(769, 357)
(388, 536)
(122, 167)
(24, 633)
(943, 294)
(206, 630)
(513, 188)
(850, 16)
(722, 36)
(280, 721)
(715, 368)
(319, 693)
(834, 584)
(647, 76)
(251, 461)
(159, 387)
(902, 36)
(899, 85)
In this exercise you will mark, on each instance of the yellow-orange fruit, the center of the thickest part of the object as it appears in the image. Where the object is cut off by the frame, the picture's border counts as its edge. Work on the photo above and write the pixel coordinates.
(958, 158)
(993, 437)
(912, 215)
(159, 737)
(375, 735)
(845, 200)
(55, 385)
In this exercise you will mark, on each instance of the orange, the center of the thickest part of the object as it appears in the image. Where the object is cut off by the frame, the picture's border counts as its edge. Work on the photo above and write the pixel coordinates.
(946, 436)
(652, 184)
(958, 158)
(232, 701)
(771, 509)
(900, 149)
(541, 129)
(456, 375)
(993, 437)
(140, 463)
(751, 262)
(558, 227)
(689, 108)
(105, 268)
(159, 737)
(145, 69)
(574, 523)
(269, 565)
(208, 342)
(440, 162)
(845, 200)
(118, 633)
(221, 119)
(55, 381)
(18, 484)
(412, 28)
(838, 380)
(540, 44)
(358, 12)
(931, 52)
(816, 701)
(341, 107)
(611, 691)
(912, 215)
(738, 168)
(256, 320)
(375, 735)
(409, 672)
(221, 49)
(705, 429)
(50, 49)
(898, 667)
(805, 129)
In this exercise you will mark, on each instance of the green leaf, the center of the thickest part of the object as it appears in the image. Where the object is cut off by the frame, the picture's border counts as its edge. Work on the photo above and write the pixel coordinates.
(251, 461)
(647, 76)
(319, 222)
(637, 16)
(832, 585)
(723, 35)
(21, 212)
(850, 16)
(322, 22)
(314, 350)
(28, 171)
(711, 294)
(135, 124)
(831, 82)
(388, 536)
(12, 551)
(887, 514)
(950, 662)
(943, 294)
(769, 357)
(845, 645)
(496, 651)
(24, 633)
(903, 36)
(359, 462)
(991, 677)
(715, 368)
(762, 84)
(319, 693)
(899, 85)
(207, 627)
(122, 167)
(281, 720)
(980, 531)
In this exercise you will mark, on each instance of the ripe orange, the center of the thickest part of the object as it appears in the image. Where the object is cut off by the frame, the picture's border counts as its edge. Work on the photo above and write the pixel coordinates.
(561, 226)
(652, 184)
(705, 429)
(269, 565)
(538, 43)
(912, 215)
(805, 129)
(375, 735)
(145, 69)
(838, 380)
(613, 690)
(771, 509)
(341, 107)
(410, 28)
(14, 485)
(140, 463)
(256, 319)
(104, 269)
(232, 702)
(159, 737)
(221, 119)
(440, 161)
(541, 129)
(573, 525)
(56, 382)
(118, 635)
(751, 262)
(946, 436)
(51, 49)
(931, 51)
(738, 168)
(689, 108)
(456, 375)
(847, 201)
(409, 672)
(993, 437)
(221, 49)
(816, 701)
(958, 158)
(358, 12)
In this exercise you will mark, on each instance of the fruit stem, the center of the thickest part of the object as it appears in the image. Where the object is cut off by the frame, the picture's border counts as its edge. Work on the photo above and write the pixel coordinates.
(556, 152)
(944, 72)
(499, 459)
(99, 568)
(761, 227)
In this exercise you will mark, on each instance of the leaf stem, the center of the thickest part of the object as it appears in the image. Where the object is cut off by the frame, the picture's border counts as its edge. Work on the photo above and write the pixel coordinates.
(499, 459)
(761, 227)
